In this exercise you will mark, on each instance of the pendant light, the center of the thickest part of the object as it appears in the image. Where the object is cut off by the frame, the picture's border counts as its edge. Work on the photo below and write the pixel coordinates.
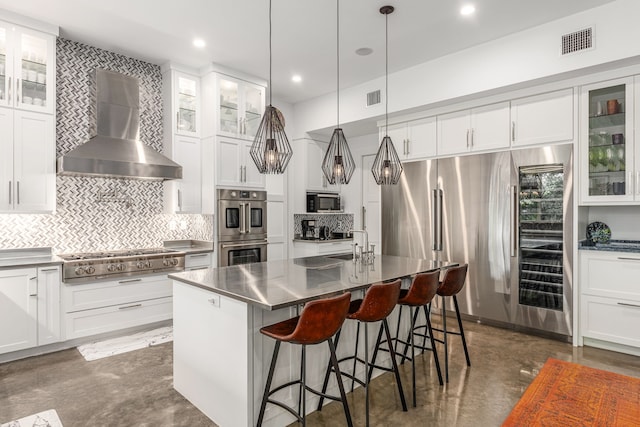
(270, 150)
(387, 167)
(338, 164)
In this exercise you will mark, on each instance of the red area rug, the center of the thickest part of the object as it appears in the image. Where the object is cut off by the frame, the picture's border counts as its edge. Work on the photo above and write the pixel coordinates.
(567, 394)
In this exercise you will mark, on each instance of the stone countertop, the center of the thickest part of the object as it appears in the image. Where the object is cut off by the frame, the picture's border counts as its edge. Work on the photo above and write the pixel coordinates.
(28, 257)
(300, 240)
(273, 285)
(632, 246)
(189, 247)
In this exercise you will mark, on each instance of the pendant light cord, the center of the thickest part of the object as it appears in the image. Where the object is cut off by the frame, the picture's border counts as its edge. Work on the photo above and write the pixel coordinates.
(338, 57)
(270, 101)
(386, 74)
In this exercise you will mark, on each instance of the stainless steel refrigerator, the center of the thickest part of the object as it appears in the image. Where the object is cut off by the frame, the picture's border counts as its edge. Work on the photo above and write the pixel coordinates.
(508, 215)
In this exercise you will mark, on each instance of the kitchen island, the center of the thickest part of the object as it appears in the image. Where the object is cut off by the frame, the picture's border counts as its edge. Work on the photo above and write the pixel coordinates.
(220, 357)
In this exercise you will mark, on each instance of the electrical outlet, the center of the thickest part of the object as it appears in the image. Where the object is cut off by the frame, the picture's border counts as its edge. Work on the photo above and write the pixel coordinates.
(215, 301)
(339, 223)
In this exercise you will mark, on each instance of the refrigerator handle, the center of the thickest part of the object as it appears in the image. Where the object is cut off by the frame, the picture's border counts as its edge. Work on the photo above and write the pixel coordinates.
(364, 218)
(514, 220)
(437, 219)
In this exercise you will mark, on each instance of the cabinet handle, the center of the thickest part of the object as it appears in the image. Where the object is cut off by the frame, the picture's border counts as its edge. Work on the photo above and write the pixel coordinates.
(628, 258)
(408, 146)
(129, 281)
(513, 131)
(49, 269)
(33, 287)
(18, 192)
(18, 90)
(467, 138)
(10, 198)
(637, 182)
(179, 200)
(177, 121)
(197, 268)
(130, 306)
(626, 304)
(198, 255)
(473, 131)
(10, 90)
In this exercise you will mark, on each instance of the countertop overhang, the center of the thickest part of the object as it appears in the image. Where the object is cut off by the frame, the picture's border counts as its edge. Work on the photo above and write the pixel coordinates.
(273, 285)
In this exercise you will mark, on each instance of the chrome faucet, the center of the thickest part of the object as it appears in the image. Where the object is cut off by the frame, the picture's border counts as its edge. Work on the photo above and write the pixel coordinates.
(365, 254)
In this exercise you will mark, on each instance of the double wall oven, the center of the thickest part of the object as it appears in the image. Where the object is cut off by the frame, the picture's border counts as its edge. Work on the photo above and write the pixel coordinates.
(242, 226)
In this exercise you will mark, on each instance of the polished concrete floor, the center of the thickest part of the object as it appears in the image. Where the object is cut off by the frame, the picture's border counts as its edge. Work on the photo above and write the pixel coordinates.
(135, 389)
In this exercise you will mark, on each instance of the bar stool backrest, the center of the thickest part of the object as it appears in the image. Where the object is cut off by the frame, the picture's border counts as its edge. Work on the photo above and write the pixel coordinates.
(320, 320)
(378, 302)
(423, 288)
(453, 280)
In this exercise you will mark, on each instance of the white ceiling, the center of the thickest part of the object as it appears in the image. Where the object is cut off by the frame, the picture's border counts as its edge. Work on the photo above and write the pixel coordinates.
(304, 33)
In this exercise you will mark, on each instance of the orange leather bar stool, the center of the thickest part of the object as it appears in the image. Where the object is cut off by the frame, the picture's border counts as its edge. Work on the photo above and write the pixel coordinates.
(379, 301)
(318, 322)
(451, 285)
(422, 290)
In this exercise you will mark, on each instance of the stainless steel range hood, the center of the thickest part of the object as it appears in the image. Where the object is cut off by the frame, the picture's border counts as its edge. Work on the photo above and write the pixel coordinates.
(116, 150)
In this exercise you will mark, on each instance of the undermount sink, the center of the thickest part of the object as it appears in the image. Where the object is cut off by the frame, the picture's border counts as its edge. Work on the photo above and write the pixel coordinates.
(341, 256)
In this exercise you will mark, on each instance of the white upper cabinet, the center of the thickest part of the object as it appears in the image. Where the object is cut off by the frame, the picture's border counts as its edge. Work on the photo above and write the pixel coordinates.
(235, 167)
(240, 107)
(542, 119)
(608, 154)
(27, 69)
(314, 155)
(27, 177)
(479, 129)
(413, 140)
(186, 99)
(185, 195)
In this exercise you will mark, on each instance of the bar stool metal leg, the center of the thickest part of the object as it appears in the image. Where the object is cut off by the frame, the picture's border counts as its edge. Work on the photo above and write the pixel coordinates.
(464, 341)
(343, 396)
(267, 387)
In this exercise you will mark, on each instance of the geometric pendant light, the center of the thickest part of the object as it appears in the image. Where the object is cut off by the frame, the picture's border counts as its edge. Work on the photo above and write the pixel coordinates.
(270, 150)
(338, 164)
(387, 167)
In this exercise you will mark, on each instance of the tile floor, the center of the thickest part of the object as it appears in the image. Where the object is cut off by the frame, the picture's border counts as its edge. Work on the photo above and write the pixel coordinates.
(135, 389)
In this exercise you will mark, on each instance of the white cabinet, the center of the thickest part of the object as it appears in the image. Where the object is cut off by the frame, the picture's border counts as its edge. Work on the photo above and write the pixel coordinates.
(235, 167)
(27, 69)
(107, 306)
(413, 140)
(27, 177)
(49, 316)
(608, 154)
(198, 261)
(186, 103)
(610, 298)
(18, 309)
(479, 129)
(185, 195)
(304, 249)
(314, 152)
(542, 119)
(240, 107)
(29, 307)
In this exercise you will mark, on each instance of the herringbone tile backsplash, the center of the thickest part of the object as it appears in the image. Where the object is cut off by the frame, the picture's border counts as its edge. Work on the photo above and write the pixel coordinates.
(82, 222)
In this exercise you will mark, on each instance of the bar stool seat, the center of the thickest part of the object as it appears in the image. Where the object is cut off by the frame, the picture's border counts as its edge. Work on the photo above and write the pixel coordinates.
(318, 322)
(451, 284)
(378, 302)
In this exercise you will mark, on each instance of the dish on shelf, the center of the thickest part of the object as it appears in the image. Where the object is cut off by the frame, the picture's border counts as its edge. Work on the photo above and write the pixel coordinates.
(598, 232)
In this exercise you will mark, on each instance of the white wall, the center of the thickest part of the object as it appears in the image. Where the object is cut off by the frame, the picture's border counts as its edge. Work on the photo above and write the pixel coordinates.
(511, 62)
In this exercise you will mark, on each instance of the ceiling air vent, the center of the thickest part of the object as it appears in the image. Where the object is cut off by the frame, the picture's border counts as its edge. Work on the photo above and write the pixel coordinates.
(373, 98)
(577, 41)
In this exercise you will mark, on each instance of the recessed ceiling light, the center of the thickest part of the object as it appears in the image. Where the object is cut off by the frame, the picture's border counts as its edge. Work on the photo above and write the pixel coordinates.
(467, 9)
(199, 43)
(296, 78)
(364, 51)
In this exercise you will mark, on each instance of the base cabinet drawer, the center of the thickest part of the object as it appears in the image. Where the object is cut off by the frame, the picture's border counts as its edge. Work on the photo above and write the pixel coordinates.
(100, 320)
(611, 320)
(197, 261)
(103, 294)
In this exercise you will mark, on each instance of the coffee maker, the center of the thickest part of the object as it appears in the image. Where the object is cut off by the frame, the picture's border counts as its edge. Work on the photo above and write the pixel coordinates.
(308, 229)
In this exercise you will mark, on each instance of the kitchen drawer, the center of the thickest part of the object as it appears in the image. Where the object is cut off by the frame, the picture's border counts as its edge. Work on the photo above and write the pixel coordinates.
(197, 261)
(333, 248)
(104, 294)
(611, 320)
(610, 274)
(107, 319)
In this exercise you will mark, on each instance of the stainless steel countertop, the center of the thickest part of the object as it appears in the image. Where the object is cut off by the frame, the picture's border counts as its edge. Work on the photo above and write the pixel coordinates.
(189, 247)
(28, 257)
(273, 285)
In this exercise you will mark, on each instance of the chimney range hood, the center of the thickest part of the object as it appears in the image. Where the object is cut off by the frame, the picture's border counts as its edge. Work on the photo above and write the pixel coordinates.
(116, 151)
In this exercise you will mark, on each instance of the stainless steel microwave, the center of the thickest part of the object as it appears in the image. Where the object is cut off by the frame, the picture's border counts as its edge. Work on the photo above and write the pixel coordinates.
(323, 202)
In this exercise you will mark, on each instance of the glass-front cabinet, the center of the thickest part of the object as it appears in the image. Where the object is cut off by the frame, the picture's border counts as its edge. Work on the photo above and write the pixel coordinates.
(187, 99)
(607, 143)
(26, 69)
(241, 105)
